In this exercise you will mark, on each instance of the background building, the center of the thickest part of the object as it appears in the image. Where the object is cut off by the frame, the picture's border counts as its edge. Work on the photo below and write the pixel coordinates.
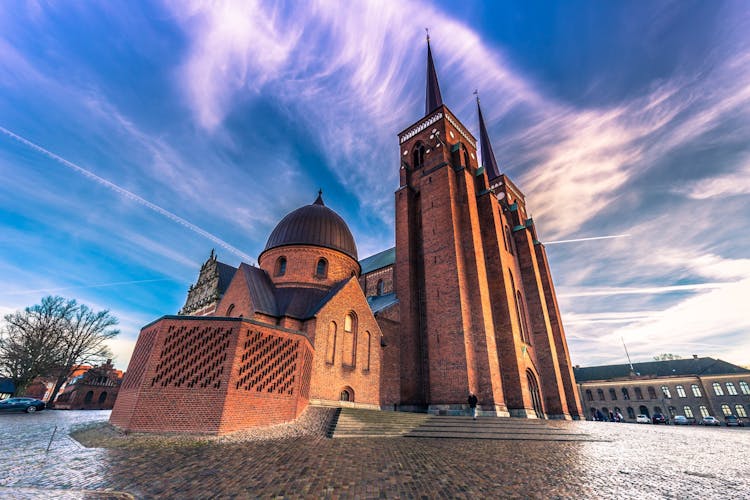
(695, 387)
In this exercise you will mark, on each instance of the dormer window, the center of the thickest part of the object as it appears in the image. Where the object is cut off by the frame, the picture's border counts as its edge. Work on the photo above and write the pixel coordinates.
(321, 270)
(281, 266)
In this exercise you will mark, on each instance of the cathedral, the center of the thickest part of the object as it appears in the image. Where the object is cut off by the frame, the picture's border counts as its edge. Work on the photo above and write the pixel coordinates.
(464, 303)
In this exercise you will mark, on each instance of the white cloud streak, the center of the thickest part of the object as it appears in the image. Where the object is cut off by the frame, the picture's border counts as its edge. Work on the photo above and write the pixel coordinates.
(129, 195)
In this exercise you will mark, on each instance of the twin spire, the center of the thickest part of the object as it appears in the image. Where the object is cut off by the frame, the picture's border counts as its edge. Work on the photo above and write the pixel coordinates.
(434, 100)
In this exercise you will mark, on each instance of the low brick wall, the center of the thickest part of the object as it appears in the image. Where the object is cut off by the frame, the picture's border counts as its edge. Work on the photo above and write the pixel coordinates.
(213, 376)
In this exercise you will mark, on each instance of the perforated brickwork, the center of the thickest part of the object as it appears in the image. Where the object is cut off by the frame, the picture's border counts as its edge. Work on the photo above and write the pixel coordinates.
(306, 375)
(193, 356)
(269, 363)
(139, 360)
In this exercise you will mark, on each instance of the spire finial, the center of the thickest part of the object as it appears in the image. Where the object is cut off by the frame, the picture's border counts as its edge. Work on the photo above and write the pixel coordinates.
(319, 199)
(488, 156)
(433, 99)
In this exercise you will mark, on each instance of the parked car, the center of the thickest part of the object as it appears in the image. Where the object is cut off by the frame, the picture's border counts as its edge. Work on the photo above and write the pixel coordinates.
(29, 405)
(642, 419)
(732, 421)
(680, 420)
(659, 418)
(709, 420)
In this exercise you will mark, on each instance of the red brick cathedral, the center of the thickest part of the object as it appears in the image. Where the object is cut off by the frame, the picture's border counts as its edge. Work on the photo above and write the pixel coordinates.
(463, 303)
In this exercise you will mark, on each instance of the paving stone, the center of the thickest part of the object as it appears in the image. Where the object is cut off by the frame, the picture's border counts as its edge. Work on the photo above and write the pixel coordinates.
(621, 461)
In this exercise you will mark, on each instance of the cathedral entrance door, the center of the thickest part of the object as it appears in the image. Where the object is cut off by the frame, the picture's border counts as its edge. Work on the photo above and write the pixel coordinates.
(536, 399)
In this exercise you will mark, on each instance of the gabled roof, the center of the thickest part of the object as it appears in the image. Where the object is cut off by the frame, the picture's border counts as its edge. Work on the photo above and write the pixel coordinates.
(668, 368)
(378, 261)
(226, 273)
(296, 302)
(378, 303)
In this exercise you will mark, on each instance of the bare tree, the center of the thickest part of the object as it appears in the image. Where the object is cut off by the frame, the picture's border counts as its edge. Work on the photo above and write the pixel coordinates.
(52, 339)
(84, 342)
(30, 339)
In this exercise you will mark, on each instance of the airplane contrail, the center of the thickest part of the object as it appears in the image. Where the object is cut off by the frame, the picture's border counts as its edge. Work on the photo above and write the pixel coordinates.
(645, 290)
(587, 239)
(98, 285)
(128, 194)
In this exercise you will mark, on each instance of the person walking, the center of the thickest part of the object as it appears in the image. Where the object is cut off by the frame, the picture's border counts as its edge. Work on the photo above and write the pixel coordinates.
(473, 405)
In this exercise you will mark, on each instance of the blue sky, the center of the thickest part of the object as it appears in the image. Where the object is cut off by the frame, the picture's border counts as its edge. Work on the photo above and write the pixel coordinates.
(136, 136)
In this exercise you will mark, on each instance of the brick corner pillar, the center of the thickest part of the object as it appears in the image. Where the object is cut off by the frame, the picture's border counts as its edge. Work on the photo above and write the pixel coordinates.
(558, 334)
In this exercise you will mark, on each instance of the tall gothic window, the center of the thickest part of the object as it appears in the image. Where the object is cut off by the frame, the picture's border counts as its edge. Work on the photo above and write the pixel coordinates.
(418, 156)
(522, 318)
(350, 339)
(368, 339)
(331, 343)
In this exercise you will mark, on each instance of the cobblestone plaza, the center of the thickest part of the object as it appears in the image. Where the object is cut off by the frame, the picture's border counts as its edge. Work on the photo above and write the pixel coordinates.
(611, 460)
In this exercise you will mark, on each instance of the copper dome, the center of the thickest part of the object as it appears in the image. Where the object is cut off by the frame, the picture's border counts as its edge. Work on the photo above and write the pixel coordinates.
(315, 225)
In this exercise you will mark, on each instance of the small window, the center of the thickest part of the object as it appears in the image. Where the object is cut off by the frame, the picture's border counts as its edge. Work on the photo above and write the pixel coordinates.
(696, 390)
(638, 393)
(613, 395)
(651, 393)
(688, 411)
(744, 387)
(89, 396)
(103, 397)
(600, 392)
(740, 410)
(731, 390)
(665, 391)
(643, 410)
(589, 395)
(281, 266)
(631, 413)
(717, 389)
(380, 287)
(726, 410)
(625, 393)
(681, 391)
(322, 270)
(703, 410)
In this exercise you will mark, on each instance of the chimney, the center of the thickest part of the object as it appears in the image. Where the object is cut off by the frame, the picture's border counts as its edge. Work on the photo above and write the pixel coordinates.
(695, 356)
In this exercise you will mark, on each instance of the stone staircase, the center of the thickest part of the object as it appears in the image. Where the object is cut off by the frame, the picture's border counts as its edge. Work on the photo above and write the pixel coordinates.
(358, 423)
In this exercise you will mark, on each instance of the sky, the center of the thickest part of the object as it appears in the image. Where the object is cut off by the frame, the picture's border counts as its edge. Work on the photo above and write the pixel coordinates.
(137, 136)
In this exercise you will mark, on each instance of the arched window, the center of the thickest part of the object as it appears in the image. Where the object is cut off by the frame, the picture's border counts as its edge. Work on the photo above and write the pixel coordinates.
(520, 311)
(665, 391)
(703, 410)
(731, 390)
(638, 393)
(613, 395)
(321, 271)
(717, 389)
(368, 339)
(103, 397)
(466, 158)
(681, 391)
(744, 387)
(509, 242)
(331, 343)
(230, 309)
(651, 393)
(696, 390)
(726, 410)
(89, 396)
(631, 413)
(418, 156)
(346, 394)
(380, 287)
(350, 339)
(688, 411)
(740, 410)
(589, 395)
(600, 393)
(643, 410)
(281, 266)
(625, 393)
